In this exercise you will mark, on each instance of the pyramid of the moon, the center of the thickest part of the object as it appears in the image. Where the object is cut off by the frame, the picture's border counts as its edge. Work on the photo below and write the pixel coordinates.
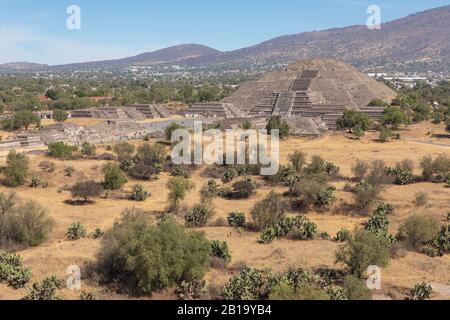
(315, 88)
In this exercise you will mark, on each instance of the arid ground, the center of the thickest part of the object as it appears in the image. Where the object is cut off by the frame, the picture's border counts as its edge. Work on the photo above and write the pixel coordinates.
(57, 253)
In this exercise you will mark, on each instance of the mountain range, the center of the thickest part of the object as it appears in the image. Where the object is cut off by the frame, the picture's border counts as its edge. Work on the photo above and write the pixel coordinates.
(419, 42)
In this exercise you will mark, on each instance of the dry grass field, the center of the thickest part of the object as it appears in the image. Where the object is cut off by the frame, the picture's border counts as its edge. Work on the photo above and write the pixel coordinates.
(57, 253)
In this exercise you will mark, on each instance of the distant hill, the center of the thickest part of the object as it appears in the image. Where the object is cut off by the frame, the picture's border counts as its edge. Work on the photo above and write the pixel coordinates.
(171, 55)
(417, 42)
(22, 66)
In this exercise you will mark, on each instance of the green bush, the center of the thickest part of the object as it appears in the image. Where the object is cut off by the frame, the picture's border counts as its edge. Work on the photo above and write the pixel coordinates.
(363, 250)
(277, 123)
(35, 182)
(12, 271)
(23, 222)
(353, 121)
(220, 250)
(229, 175)
(62, 151)
(76, 231)
(180, 171)
(244, 286)
(418, 230)
(294, 228)
(440, 246)
(402, 173)
(284, 291)
(170, 129)
(46, 290)
(236, 220)
(17, 166)
(144, 258)
(244, 189)
(198, 216)
(88, 149)
(356, 289)
(269, 211)
(343, 235)
(60, 115)
(114, 178)
(421, 291)
(313, 189)
(139, 193)
(268, 235)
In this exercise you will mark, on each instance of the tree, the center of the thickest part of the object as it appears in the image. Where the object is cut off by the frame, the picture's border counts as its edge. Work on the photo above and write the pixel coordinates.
(418, 230)
(298, 160)
(144, 258)
(61, 150)
(277, 123)
(394, 116)
(53, 94)
(60, 115)
(178, 187)
(378, 103)
(353, 120)
(114, 178)
(124, 151)
(363, 250)
(356, 289)
(269, 211)
(86, 190)
(170, 129)
(17, 166)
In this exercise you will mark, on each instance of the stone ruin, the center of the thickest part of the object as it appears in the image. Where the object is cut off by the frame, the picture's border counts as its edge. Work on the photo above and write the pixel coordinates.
(212, 110)
(313, 94)
(132, 112)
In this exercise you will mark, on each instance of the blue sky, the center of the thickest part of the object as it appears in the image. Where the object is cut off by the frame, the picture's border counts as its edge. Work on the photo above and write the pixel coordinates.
(35, 31)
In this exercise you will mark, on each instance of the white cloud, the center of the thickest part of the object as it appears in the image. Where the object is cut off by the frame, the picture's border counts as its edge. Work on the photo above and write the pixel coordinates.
(20, 43)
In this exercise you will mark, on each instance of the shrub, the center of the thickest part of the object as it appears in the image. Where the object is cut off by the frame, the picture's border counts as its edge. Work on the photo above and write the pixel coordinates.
(296, 228)
(298, 161)
(308, 292)
(124, 151)
(418, 230)
(356, 289)
(385, 135)
(208, 192)
(360, 170)
(269, 235)
(60, 115)
(23, 222)
(139, 193)
(316, 166)
(441, 168)
(343, 235)
(141, 171)
(377, 175)
(229, 175)
(267, 212)
(180, 171)
(178, 187)
(402, 173)
(146, 258)
(46, 290)
(96, 234)
(114, 178)
(198, 216)
(192, 289)
(88, 149)
(60, 150)
(313, 189)
(236, 220)
(277, 123)
(220, 250)
(47, 166)
(68, 172)
(170, 129)
(244, 189)
(87, 296)
(421, 291)
(366, 195)
(35, 182)
(17, 166)
(426, 163)
(421, 199)
(151, 154)
(362, 250)
(76, 231)
(440, 246)
(86, 190)
(244, 286)
(12, 271)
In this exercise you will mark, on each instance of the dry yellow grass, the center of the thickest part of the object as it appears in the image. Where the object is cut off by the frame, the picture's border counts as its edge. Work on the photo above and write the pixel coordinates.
(56, 254)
